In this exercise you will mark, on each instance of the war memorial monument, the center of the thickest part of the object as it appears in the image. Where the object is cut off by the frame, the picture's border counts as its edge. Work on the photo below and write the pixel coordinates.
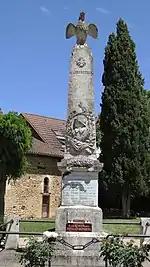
(79, 219)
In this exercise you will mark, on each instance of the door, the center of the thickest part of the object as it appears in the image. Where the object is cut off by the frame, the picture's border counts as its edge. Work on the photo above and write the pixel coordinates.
(45, 207)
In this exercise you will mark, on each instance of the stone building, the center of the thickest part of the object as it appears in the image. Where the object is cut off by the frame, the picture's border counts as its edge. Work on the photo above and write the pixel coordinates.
(38, 193)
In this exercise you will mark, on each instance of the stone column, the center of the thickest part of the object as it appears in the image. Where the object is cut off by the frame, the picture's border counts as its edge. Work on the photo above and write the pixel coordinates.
(79, 219)
(81, 133)
(80, 166)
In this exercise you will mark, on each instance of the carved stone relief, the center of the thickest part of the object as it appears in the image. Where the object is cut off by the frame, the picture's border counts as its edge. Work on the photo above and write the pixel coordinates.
(81, 62)
(80, 131)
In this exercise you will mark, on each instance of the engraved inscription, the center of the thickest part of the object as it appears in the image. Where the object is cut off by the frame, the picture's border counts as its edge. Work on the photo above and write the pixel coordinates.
(79, 192)
(82, 72)
(78, 227)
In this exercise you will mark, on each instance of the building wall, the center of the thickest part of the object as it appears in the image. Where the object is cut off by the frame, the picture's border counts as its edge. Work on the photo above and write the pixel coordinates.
(24, 197)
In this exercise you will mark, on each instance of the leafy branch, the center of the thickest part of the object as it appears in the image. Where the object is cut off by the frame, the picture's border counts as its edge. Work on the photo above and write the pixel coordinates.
(117, 253)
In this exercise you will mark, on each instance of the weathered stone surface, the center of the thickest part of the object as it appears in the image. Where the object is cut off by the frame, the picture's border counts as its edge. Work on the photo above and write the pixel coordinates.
(12, 241)
(73, 260)
(80, 161)
(81, 131)
(145, 223)
(9, 259)
(66, 256)
(81, 30)
(24, 198)
(92, 215)
(80, 188)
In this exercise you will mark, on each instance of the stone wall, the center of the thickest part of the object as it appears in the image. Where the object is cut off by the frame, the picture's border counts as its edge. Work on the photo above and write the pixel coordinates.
(24, 197)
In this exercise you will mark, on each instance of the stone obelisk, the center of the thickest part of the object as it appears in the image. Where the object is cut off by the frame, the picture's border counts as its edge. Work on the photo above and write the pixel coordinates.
(79, 218)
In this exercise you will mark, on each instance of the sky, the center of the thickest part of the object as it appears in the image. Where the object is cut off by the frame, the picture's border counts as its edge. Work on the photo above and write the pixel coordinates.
(34, 54)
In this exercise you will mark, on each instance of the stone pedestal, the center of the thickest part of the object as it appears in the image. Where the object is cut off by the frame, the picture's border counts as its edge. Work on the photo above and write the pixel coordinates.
(70, 220)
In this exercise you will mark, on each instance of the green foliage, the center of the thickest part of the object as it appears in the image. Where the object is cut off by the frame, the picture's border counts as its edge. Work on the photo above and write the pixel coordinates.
(36, 253)
(15, 141)
(124, 122)
(111, 251)
(117, 253)
(98, 131)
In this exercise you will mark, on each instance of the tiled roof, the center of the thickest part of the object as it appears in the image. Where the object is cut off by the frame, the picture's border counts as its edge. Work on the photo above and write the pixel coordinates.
(46, 142)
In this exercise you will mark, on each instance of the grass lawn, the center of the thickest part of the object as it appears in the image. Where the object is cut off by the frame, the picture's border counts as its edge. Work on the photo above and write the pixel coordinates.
(35, 226)
(122, 228)
(110, 228)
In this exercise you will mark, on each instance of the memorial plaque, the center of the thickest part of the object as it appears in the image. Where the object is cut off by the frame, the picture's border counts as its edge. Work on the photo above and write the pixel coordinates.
(79, 226)
(80, 189)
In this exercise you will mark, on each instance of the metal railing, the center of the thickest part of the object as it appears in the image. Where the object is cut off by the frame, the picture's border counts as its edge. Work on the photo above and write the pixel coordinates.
(4, 234)
(81, 247)
(104, 222)
(78, 247)
(37, 220)
(75, 247)
(123, 223)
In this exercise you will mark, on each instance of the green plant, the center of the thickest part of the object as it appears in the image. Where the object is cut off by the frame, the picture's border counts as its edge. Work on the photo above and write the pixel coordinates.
(117, 253)
(134, 256)
(15, 142)
(123, 130)
(111, 249)
(36, 253)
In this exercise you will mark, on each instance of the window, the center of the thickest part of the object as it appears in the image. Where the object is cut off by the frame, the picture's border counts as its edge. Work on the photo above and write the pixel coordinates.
(46, 185)
(45, 198)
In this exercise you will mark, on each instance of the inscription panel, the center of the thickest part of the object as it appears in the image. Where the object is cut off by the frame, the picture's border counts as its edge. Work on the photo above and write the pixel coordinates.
(78, 227)
(79, 190)
(82, 72)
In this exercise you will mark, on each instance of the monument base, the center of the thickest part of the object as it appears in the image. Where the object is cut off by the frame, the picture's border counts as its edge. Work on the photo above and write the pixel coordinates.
(75, 259)
(79, 228)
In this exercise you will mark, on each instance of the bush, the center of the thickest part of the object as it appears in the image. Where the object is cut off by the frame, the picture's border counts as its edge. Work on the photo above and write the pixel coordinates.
(116, 253)
(36, 253)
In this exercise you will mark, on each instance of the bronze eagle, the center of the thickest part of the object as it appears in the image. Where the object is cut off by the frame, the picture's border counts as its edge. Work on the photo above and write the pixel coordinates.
(81, 30)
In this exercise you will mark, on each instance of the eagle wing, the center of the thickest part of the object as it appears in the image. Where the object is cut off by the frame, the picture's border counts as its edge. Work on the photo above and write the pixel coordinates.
(93, 31)
(70, 30)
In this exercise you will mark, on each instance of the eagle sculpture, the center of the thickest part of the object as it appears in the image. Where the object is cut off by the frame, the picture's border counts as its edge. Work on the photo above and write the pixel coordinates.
(81, 30)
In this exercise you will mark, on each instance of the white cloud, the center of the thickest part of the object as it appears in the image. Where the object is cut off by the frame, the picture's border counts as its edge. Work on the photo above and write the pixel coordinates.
(103, 10)
(44, 9)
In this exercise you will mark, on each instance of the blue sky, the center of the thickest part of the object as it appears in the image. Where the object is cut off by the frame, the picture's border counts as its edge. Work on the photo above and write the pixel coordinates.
(34, 54)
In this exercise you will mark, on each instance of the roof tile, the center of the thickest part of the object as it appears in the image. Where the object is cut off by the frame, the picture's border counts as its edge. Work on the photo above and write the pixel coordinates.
(45, 127)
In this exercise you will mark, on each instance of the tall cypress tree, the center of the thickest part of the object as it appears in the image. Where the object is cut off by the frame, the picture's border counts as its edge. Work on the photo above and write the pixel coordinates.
(124, 124)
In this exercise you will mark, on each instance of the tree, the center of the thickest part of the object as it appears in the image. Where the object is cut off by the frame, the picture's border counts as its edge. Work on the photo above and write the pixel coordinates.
(124, 121)
(98, 131)
(15, 141)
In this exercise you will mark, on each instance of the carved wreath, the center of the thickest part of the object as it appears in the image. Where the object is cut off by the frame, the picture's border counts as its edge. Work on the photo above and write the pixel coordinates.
(80, 127)
(81, 62)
